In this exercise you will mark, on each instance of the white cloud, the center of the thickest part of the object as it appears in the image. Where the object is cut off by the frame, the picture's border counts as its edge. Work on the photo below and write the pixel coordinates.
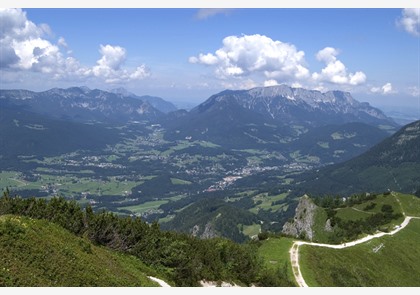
(239, 84)
(22, 40)
(109, 66)
(410, 20)
(24, 47)
(248, 54)
(270, 83)
(375, 89)
(385, 89)
(207, 59)
(296, 85)
(327, 55)
(414, 91)
(110, 62)
(269, 61)
(62, 42)
(205, 13)
(335, 71)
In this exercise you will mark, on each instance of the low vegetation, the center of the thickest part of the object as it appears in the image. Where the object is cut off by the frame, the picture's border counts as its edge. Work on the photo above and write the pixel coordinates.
(357, 215)
(38, 253)
(181, 258)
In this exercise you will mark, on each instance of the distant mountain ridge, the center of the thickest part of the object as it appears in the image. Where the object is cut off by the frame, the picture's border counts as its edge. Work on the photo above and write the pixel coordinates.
(271, 115)
(157, 102)
(81, 104)
(298, 105)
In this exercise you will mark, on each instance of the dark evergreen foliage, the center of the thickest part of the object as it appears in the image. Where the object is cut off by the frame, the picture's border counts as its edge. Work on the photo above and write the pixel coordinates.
(185, 259)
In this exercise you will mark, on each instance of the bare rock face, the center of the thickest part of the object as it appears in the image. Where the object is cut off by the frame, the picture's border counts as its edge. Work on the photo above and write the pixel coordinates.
(195, 230)
(328, 227)
(301, 226)
(207, 233)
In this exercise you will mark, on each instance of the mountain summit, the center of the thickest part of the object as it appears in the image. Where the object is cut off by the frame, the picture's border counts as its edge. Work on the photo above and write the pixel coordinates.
(300, 106)
(271, 115)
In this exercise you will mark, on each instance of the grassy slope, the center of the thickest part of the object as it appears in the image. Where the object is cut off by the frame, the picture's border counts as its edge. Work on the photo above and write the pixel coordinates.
(275, 253)
(396, 263)
(410, 204)
(41, 254)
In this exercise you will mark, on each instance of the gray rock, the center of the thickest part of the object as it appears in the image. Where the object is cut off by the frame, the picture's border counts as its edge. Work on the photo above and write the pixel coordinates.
(302, 224)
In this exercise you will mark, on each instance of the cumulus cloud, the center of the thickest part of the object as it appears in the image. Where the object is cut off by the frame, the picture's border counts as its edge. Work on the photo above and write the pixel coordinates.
(8, 56)
(385, 89)
(62, 42)
(24, 47)
(205, 13)
(335, 71)
(414, 91)
(272, 62)
(410, 21)
(21, 41)
(109, 66)
(239, 84)
(242, 56)
(271, 82)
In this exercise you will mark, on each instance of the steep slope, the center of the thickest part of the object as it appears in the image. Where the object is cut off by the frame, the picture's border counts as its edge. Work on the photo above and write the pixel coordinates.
(393, 164)
(157, 102)
(36, 253)
(228, 124)
(211, 218)
(337, 143)
(82, 104)
(25, 133)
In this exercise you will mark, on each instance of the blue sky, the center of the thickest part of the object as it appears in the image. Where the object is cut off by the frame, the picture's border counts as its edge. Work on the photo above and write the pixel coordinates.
(190, 54)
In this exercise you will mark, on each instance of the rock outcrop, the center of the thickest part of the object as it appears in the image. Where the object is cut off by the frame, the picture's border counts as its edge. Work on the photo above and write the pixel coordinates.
(207, 233)
(302, 223)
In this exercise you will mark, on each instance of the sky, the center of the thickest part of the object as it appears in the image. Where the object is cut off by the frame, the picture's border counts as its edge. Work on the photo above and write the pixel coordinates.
(189, 54)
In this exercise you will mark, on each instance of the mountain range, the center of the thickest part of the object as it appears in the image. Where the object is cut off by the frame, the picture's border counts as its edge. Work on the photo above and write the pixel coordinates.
(81, 104)
(270, 116)
(122, 152)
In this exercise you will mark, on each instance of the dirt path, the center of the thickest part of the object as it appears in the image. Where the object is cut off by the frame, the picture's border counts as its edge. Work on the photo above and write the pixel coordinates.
(159, 281)
(294, 250)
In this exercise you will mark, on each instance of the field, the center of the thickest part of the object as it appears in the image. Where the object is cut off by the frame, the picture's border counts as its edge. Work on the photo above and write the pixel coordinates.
(265, 202)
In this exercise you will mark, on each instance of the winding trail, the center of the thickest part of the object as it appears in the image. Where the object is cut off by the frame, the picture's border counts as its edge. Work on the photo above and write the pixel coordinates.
(294, 250)
(159, 281)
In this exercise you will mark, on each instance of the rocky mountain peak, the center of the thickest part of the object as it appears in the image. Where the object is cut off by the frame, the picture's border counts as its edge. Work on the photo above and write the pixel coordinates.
(299, 105)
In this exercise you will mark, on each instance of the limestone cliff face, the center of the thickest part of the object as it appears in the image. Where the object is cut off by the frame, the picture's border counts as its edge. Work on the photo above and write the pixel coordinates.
(301, 226)
(207, 233)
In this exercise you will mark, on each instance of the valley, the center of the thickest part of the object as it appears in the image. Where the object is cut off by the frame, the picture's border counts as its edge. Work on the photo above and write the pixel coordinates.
(209, 147)
(155, 164)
